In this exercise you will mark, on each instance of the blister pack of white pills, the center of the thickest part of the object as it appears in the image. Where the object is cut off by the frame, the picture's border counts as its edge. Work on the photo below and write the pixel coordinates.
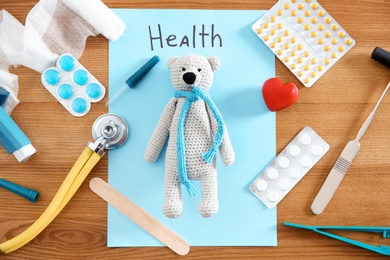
(304, 37)
(72, 85)
(289, 167)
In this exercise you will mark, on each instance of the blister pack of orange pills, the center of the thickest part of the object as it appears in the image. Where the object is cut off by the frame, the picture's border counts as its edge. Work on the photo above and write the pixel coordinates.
(304, 37)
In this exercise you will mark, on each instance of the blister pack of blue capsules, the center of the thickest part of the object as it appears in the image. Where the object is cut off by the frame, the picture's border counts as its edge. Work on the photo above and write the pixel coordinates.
(72, 85)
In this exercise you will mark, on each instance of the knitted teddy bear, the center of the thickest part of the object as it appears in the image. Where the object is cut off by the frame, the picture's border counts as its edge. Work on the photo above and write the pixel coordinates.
(196, 131)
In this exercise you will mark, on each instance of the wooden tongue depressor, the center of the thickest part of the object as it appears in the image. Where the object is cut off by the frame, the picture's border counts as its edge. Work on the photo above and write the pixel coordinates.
(139, 216)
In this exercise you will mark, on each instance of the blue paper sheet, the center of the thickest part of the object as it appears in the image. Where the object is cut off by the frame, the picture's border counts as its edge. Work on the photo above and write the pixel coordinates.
(246, 63)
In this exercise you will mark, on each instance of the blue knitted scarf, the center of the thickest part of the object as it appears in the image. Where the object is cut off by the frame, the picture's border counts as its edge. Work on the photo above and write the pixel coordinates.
(193, 96)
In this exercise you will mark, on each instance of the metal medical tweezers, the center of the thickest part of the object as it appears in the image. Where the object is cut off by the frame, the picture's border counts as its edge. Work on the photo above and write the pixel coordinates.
(342, 164)
(381, 249)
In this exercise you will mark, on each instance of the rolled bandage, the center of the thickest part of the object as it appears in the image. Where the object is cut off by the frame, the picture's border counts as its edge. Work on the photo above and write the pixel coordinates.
(97, 14)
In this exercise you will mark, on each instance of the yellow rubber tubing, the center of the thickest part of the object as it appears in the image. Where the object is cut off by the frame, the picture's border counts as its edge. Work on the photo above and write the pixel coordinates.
(72, 182)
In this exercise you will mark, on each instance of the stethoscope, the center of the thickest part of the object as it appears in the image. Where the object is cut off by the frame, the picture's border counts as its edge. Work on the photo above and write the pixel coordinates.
(109, 131)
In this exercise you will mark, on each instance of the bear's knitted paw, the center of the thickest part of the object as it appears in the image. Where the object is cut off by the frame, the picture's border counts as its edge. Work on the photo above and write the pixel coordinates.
(208, 207)
(172, 208)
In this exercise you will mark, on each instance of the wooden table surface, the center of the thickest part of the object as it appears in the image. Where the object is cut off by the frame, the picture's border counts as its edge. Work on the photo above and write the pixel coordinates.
(336, 106)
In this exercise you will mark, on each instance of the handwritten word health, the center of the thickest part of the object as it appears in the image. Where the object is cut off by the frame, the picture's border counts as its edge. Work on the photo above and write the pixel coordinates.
(197, 38)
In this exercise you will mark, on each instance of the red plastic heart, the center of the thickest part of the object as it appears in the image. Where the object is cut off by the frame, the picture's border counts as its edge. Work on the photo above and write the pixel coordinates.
(277, 95)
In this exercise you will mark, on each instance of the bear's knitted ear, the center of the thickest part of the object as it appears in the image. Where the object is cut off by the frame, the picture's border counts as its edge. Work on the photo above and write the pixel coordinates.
(214, 62)
(170, 62)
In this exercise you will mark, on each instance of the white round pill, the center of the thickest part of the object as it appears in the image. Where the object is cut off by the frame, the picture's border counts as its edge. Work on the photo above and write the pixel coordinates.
(305, 139)
(316, 150)
(305, 161)
(283, 162)
(273, 196)
(295, 173)
(294, 150)
(284, 184)
(261, 185)
(272, 173)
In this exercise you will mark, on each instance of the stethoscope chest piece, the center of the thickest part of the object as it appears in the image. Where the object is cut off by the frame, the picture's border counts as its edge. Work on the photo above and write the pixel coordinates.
(112, 128)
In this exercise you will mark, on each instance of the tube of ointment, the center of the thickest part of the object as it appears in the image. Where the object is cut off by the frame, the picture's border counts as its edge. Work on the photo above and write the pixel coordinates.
(135, 78)
(26, 193)
(12, 138)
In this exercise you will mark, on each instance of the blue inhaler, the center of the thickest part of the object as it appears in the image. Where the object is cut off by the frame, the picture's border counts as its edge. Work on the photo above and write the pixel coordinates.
(12, 138)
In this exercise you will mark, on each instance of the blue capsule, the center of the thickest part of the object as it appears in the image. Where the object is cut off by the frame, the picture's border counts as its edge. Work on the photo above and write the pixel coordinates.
(79, 105)
(66, 63)
(52, 76)
(93, 90)
(80, 77)
(65, 91)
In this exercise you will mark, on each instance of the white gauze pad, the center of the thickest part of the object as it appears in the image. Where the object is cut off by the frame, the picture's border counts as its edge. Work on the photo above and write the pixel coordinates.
(304, 37)
(72, 85)
(289, 167)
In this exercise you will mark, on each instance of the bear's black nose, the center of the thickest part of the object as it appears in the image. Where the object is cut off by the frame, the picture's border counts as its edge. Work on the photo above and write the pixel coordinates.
(189, 78)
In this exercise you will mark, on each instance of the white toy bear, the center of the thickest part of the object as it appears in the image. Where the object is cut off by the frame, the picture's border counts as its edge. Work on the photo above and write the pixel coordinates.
(196, 131)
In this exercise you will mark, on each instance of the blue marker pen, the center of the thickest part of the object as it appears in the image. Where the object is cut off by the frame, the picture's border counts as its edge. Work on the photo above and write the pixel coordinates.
(12, 138)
